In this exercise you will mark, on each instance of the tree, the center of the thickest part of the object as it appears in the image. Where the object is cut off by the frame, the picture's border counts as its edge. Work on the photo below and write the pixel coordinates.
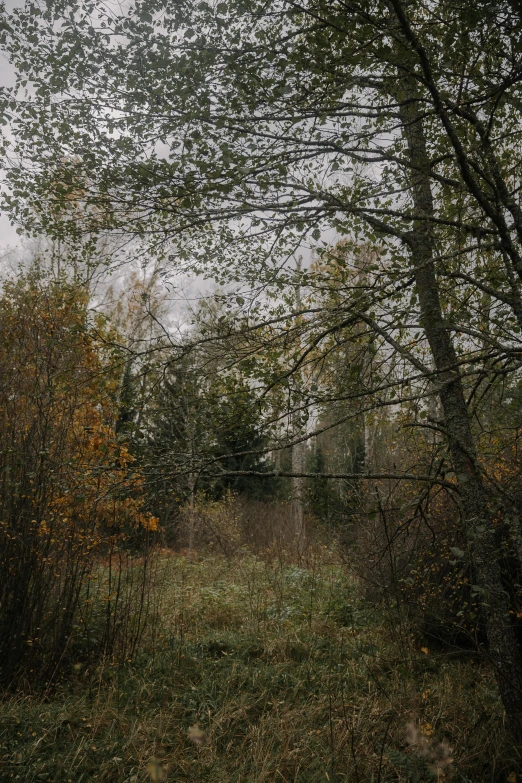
(394, 122)
(200, 432)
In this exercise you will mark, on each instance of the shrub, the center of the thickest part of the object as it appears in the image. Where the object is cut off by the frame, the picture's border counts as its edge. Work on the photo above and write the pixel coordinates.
(69, 493)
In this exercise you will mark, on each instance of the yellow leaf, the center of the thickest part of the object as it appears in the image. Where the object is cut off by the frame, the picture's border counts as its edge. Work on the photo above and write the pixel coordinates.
(157, 771)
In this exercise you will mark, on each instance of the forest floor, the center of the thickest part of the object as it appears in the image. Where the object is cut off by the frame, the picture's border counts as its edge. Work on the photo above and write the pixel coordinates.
(260, 670)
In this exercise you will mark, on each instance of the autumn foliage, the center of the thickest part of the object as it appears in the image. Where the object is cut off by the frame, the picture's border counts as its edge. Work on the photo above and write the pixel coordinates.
(70, 496)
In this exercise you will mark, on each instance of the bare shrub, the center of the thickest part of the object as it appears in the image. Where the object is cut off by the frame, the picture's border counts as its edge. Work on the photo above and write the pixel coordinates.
(410, 548)
(269, 529)
(235, 522)
(207, 523)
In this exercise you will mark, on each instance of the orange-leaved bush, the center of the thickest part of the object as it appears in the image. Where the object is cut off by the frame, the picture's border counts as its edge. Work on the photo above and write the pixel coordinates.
(70, 496)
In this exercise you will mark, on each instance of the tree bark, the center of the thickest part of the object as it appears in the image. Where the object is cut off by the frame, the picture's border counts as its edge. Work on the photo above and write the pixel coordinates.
(298, 454)
(504, 651)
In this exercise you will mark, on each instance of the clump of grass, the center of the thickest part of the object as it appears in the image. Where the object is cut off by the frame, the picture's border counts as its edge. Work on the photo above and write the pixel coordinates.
(263, 671)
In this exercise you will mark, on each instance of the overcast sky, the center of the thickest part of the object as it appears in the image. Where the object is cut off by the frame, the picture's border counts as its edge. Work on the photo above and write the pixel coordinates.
(8, 235)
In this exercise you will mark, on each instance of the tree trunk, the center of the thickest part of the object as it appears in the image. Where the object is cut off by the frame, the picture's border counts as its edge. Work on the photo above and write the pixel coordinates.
(298, 451)
(298, 495)
(192, 521)
(503, 647)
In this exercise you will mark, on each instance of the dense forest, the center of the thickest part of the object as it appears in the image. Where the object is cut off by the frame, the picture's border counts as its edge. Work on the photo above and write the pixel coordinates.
(261, 391)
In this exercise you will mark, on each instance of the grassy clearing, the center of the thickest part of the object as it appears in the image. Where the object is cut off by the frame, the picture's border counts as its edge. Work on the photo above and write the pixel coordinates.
(263, 671)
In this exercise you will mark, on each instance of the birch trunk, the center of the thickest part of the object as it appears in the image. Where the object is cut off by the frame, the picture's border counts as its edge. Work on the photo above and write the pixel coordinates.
(298, 452)
(298, 495)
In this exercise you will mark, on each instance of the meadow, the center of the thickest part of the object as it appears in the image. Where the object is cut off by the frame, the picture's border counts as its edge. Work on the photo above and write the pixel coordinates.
(258, 669)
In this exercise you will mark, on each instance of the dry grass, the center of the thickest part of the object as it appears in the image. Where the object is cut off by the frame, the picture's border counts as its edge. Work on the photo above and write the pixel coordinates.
(263, 671)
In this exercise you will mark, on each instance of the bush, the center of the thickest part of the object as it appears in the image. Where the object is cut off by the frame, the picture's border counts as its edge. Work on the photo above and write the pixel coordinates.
(69, 493)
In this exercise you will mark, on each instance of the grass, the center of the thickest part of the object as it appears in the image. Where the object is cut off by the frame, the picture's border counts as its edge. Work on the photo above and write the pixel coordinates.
(258, 670)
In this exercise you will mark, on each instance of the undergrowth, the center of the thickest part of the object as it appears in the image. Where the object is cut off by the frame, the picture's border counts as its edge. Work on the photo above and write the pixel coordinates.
(258, 671)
